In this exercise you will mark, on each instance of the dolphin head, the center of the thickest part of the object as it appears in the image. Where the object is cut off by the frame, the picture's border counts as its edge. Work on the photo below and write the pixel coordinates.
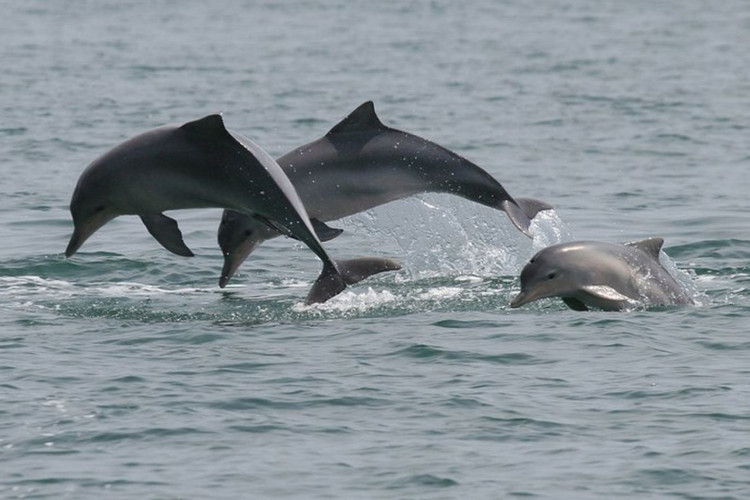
(114, 184)
(91, 208)
(584, 274)
(556, 271)
(238, 236)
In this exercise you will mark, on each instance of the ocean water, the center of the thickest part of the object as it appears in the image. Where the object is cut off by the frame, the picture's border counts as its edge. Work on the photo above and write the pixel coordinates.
(125, 372)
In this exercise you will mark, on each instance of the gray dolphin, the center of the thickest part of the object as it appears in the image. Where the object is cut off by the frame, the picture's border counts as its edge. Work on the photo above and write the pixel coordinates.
(201, 164)
(360, 164)
(601, 275)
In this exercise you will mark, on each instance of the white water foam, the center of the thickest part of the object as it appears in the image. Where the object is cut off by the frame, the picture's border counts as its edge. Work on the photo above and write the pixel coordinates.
(547, 229)
(350, 301)
(24, 289)
(684, 278)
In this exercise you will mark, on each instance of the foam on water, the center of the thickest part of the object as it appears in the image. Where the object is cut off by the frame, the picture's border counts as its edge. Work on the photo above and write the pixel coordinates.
(349, 301)
(19, 286)
(685, 278)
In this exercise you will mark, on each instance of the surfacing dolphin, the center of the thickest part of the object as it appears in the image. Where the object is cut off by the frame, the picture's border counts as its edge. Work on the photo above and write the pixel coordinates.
(201, 164)
(593, 274)
(360, 164)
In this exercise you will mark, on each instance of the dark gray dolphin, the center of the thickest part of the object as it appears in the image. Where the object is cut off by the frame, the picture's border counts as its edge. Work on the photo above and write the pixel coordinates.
(360, 164)
(593, 274)
(201, 164)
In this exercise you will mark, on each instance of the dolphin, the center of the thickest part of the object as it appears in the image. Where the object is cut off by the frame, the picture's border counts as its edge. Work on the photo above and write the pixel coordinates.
(608, 276)
(360, 164)
(201, 164)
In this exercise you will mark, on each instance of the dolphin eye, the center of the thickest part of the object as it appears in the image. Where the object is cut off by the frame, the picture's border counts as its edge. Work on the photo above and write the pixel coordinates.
(100, 208)
(248, 233)
(551, 275)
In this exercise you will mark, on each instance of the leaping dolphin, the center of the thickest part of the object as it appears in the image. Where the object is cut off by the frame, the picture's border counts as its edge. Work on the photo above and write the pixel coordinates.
(360, 164)
(201, 164)
(593, 274)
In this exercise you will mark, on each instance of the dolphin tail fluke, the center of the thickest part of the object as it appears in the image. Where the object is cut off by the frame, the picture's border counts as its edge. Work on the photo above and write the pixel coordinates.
(329, 284)
(333, 279)
(523, 210)
(531, 206)
(517, 216)
(355, 270)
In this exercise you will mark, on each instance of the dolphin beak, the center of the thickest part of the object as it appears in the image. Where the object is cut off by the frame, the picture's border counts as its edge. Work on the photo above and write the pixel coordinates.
(76, 240)
(521, 299)
(534, 292)
(234, 259)
(82, 232)
(530, 295)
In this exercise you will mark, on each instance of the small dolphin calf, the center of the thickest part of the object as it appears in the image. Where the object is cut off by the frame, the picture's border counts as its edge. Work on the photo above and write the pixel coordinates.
(360, 164)
(601, 275)
(201, 164)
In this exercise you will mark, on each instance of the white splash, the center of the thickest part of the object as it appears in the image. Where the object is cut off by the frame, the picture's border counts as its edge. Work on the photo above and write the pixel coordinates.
(350, 301)
(24, 289)
(547, 229)
(683, 277)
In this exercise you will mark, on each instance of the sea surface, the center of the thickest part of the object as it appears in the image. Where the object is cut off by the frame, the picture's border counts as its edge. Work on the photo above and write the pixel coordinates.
(126, 372)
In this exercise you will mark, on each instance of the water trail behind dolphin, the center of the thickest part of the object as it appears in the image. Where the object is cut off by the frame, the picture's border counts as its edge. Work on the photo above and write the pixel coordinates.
(438, 235)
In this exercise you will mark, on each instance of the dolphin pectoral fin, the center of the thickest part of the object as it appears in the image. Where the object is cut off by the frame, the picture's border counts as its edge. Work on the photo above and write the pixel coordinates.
(531, 206)
(575, 304)
(167, 233)
(517, 216)
(607, 298)
(325, 232)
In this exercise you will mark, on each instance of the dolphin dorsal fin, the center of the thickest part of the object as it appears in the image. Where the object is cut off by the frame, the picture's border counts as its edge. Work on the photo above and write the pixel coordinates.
(651, 246)
(361, 119)
(210, 124)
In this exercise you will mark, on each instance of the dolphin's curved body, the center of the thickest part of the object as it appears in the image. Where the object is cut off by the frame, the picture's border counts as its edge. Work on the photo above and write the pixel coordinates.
(360, 164)
(592, 274)
(201, 164)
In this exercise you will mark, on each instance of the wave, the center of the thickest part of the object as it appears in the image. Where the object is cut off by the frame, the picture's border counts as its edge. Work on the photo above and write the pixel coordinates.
(478, 271)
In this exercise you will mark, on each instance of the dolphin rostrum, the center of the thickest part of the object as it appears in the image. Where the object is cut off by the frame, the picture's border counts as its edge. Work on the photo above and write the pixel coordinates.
(360, 164)
(593, 274)
(201, 164)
